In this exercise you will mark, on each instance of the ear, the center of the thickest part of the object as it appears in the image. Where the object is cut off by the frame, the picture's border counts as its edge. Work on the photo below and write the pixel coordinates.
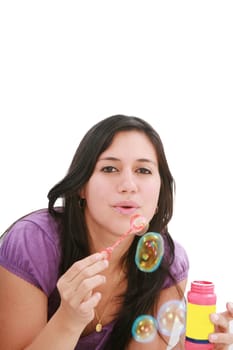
(82, 193)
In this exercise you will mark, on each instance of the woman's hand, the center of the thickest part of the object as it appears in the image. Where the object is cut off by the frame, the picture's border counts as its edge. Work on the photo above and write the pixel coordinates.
(76, 288)
(222, 337)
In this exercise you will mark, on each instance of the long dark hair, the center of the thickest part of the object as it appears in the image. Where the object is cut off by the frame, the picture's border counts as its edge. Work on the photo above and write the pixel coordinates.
(143, 288)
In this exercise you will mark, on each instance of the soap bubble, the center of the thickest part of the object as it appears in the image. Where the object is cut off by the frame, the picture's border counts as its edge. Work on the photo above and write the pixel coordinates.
(144, 329)
(149, 253)
(138, 225)
(172, 317)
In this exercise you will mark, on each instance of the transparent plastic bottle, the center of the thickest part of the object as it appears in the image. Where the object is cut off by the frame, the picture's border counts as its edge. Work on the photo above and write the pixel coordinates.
(201, 303)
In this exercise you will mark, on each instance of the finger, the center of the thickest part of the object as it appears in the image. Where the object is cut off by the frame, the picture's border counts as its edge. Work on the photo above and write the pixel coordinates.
(87, 286)
(90, 303)
(81, 265)
(220, 321)
(229, 306)
(221, 338)
(86, 280)
(87, 308)
(83, 283)
(83, 292)
(92, 270)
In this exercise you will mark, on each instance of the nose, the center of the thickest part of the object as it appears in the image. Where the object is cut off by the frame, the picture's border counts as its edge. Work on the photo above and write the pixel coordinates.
(127, 182)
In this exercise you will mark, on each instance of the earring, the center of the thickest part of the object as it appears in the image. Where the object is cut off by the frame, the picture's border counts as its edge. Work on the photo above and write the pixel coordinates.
(81, 203)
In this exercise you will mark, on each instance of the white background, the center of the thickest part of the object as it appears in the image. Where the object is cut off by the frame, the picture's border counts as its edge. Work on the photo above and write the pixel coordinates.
(66, 64)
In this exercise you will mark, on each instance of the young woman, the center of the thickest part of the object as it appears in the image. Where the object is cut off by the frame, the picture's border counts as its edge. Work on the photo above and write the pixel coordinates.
(58, 287)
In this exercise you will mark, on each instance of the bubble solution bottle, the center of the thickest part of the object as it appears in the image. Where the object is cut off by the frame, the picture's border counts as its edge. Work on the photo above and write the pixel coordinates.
(201, 303)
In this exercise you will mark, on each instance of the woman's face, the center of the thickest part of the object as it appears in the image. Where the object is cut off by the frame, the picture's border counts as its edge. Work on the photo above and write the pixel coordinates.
(125, 182)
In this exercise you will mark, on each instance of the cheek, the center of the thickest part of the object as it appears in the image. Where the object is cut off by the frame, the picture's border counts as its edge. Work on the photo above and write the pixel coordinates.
(96, 201)
(93, 201)
(95, 192)
(152, 196)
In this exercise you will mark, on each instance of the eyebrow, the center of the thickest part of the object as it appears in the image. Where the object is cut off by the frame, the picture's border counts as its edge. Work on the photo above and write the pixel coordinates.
(142, 160)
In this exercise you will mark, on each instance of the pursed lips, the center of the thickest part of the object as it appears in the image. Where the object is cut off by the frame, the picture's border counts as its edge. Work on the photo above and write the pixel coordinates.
(126, 207)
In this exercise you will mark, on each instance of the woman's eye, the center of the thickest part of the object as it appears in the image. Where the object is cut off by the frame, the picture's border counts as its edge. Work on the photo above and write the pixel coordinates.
(109, 169)
(143, 171)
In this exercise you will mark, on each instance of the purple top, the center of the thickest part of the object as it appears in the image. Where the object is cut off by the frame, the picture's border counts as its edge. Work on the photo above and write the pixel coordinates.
(31, 251)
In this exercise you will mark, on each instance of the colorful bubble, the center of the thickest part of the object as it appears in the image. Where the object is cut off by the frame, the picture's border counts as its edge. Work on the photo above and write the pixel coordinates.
(144, 329)
(149, 253)
(138, 225)
(171, 318)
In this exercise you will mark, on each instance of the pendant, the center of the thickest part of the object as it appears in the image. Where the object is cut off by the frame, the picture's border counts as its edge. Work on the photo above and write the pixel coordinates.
(98, 327)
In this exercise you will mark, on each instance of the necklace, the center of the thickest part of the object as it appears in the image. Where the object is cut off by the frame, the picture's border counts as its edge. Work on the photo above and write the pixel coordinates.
(99, 325)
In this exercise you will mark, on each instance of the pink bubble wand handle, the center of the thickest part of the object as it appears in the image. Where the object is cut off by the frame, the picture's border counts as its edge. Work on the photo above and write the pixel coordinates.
(138, 226)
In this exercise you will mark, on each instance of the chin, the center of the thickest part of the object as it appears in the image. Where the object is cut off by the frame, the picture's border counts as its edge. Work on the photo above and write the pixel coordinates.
(120, 225)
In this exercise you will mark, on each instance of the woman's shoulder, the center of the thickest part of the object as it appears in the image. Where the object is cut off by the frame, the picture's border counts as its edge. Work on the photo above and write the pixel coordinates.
(40, 217)
(32, 226)
(180, 252)
(180, 265)
(30, 249)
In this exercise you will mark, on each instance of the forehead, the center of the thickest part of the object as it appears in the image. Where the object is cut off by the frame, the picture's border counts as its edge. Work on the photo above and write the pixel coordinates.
(132, 142)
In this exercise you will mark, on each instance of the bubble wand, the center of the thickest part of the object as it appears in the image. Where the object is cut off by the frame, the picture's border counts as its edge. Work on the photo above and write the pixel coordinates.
(138, 226)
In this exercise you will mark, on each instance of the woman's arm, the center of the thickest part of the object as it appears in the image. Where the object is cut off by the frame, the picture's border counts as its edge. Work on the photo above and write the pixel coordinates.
(23, 311)
(23, 308)
(168, 294)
